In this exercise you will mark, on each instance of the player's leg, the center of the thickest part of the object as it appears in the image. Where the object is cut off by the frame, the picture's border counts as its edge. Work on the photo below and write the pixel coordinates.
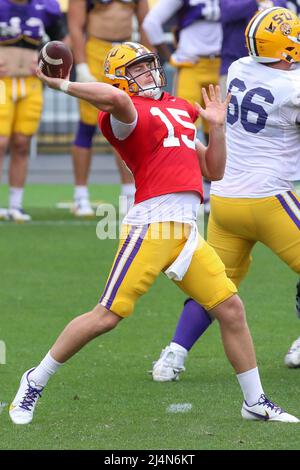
(96, 51)
(76, 334)
(292, 358)
(298, 299)
(4, 141)
(218, 296)
(193, 322)
(20, 149)
(81, 158)
(27, 117)
(140, 258)
(82, 146)
(214, 290)
(7, 106)
(234, 250)
(279, 221)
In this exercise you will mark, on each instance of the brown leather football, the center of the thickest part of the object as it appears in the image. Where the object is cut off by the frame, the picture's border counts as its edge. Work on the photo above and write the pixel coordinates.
(55, 59)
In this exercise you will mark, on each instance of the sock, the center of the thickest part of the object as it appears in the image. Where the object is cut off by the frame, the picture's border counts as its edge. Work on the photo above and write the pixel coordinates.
(177, 348)
(81, 192)
(251, 385)
(194, 320)
(42, 373)
(15, 198)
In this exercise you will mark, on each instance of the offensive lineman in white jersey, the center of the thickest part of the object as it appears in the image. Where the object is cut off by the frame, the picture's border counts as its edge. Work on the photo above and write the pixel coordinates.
(255, 201)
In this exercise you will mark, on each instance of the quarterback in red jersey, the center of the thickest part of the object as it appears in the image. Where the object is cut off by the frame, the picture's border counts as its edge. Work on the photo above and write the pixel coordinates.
(155, 135)
(148, 149)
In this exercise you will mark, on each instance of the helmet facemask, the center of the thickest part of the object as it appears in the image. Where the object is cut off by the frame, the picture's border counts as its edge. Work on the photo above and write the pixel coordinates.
(155, 71)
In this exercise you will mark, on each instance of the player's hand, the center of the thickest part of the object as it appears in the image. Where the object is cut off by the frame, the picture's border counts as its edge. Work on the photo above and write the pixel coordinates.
(215, 110)
(51, 82)
(83, 73)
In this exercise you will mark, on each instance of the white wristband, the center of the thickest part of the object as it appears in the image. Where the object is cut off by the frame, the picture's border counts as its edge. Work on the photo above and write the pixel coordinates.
(64, 86)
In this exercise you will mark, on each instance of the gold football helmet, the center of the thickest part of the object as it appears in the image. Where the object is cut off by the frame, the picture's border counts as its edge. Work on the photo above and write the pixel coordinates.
(121, 57)
(274, 34)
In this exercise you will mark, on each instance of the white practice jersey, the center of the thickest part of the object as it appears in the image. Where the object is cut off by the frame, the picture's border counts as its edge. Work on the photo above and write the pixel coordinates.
(263, 137)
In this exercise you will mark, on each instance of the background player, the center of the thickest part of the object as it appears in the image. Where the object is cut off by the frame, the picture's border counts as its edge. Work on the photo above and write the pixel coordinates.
(23, 25)
(95, 25)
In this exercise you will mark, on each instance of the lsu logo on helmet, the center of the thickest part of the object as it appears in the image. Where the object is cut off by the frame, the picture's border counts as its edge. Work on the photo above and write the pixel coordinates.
(124, 55)
(274, 34)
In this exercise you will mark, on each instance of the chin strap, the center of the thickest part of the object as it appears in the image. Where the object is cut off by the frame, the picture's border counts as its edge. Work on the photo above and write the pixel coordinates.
(154, 93)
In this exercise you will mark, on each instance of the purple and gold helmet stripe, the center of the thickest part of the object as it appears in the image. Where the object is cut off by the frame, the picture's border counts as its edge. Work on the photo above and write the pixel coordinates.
(123, 262)
(291, 205)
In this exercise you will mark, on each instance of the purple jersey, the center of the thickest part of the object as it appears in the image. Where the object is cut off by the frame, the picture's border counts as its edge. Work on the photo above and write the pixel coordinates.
(235, 15)
(25, 24)
(192, 11)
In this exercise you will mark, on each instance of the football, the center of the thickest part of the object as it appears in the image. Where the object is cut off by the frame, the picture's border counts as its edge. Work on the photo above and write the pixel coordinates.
(55, 59)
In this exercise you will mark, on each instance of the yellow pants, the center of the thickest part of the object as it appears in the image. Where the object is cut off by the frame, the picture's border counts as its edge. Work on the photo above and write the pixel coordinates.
(20, 105)
(235, 225)
(144, 252)
(190, 79)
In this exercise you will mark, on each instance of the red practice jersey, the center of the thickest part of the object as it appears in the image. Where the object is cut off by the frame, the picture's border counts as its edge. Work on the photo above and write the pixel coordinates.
(160, 152)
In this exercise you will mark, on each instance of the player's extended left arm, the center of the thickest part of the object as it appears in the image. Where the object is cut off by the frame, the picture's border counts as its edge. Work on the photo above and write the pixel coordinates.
(212, 158)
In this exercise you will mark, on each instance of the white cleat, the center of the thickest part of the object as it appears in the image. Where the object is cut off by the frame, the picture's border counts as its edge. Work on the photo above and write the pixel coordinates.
(18, 215)
(292, 359)
(83, 208)
(266, 410)
(169, 365)
(22, 408)
(3, 214)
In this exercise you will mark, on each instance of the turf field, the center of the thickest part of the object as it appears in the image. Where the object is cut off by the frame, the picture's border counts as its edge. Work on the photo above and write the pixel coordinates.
(54, 269)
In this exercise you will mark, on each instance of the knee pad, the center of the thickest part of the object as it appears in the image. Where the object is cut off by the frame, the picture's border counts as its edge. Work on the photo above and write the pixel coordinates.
(84, 135)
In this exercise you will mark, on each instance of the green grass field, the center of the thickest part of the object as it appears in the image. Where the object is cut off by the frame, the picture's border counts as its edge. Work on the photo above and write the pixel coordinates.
(53, 270)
